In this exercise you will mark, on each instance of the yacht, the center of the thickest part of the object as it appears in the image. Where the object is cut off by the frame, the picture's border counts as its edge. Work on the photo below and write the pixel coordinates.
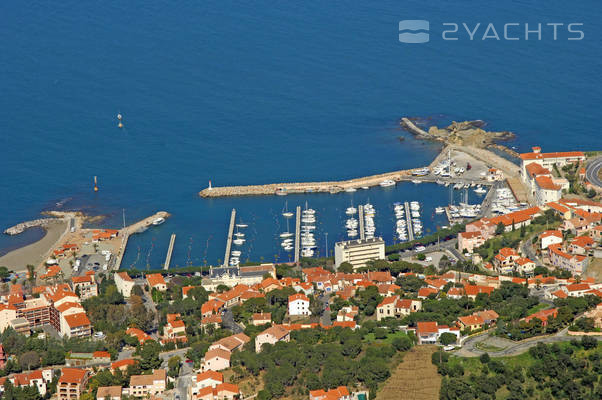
(286, 234)
(480, 190)
(439, 210)
(236, 253)
(350, 210)
(239, 234)
(241, 225)
(351, 190)
(416, 181)
(158, 221)
(238, 242)
(365, 187)
(387, 182)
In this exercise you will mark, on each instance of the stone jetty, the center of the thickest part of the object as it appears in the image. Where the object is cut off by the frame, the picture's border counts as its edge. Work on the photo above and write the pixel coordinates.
(306, 187)
(19, 228)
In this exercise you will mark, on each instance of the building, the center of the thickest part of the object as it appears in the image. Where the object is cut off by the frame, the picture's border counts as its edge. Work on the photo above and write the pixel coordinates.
(175, 329)
(216, 359)
(72, 383)
(148, 385)
(272, 335)
(358, 252)
(109, 393)
(478, 320)
(395, 307)
(339, 393)
(429, 332)
(156, 281)
(544, 187)
(547, 160)
(232, 276)
(550, 237)
(574, 263)
(504, 260)
(524, 266)
(223, 391)
(469, 241)
(231, 343)
(298, 304)
(261, 319)
(142, 336)
(85, 285)
(543, 315)
(124, 283)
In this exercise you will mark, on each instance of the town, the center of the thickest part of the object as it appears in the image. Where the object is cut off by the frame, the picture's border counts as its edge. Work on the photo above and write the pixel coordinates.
(355, 326)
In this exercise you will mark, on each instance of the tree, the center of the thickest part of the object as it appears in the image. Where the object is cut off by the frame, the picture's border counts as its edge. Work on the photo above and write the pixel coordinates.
(29, 360)
(447, 338)
(137, 290)
(345, 267)
(484, 358)
(174, 366)
(402, 343)
(149, 355)
(500, 228)
(4, 273)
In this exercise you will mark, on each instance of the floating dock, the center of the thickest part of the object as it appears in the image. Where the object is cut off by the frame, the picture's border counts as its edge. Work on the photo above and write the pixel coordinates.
(360, 214)
(172, 240)
(409, 221)
(229, 239)
(297, 234)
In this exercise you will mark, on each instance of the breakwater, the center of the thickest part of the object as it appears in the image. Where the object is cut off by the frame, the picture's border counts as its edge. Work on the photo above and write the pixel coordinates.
(307, 187)
(19, 228)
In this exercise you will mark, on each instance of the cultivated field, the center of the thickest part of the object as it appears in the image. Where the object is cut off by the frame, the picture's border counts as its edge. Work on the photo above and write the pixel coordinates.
(415, 378)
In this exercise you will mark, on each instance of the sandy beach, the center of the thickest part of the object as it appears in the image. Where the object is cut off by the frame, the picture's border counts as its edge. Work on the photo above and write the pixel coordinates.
(34, 253)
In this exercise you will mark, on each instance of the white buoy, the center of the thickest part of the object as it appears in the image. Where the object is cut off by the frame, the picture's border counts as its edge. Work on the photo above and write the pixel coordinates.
(119, 117)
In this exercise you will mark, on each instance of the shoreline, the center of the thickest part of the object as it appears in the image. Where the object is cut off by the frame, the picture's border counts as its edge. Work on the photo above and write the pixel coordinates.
(36, 252)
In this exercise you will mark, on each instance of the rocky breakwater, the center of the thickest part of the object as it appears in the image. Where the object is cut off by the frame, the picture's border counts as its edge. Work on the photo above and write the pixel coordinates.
(19, 228)
(466, 133)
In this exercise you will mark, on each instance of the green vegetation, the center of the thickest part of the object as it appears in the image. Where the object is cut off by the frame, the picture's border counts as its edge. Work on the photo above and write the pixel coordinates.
(317, 358)
(557, 371)
(451, 232)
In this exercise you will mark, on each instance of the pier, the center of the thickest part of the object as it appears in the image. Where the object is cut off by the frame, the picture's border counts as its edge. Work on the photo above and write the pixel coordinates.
(172, 241)
(360, 215)
(137, 227)
(409, 221)
(229, 239)
(297, 234)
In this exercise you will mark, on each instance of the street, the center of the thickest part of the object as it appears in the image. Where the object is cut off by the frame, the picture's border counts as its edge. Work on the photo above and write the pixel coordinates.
(592, 171)
(325, 317)
(228, 322)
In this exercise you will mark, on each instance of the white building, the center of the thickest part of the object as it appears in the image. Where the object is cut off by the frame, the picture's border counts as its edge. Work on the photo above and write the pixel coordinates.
(124, 283)
(550, 237)
(298, 304)
(358, 252)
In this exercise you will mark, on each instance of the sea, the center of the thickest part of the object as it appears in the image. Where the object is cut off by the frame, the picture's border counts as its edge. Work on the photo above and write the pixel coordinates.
(250, 92)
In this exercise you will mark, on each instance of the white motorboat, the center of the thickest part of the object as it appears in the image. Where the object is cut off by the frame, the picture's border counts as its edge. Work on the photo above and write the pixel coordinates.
(480, 190)
(239, 234)
(286, 234)
(387, 183)
(238, 242)
(416, 181)
(287, 214)
(351, 190)
(439, 210)
(288, 248)
(236, 253)
(365, 187)
(158, 221)
(350, 210)
(241, 225)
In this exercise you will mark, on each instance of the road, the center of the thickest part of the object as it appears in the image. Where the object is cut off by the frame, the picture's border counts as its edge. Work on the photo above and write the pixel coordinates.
(526, 248)
(592, 171)
(325, 317)
(228, 322)
(512, 348)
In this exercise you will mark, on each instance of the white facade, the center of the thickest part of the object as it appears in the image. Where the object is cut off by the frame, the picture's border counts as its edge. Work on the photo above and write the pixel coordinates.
(358, 252)
(124, 283)
(299, 307)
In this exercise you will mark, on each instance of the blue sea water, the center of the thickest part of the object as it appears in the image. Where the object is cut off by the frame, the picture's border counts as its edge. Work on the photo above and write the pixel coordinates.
(244, 92)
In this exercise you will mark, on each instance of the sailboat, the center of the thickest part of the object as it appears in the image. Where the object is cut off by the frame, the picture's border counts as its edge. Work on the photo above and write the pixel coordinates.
(286, 213)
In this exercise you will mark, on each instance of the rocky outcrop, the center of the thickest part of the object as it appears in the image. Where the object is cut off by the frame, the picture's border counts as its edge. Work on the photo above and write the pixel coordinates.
(465, 133)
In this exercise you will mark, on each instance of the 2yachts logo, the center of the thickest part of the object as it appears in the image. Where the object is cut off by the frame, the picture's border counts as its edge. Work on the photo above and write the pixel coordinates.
(418, 31)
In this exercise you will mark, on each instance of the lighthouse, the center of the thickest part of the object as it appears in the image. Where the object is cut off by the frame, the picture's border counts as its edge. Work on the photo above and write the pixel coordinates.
(210, 185)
